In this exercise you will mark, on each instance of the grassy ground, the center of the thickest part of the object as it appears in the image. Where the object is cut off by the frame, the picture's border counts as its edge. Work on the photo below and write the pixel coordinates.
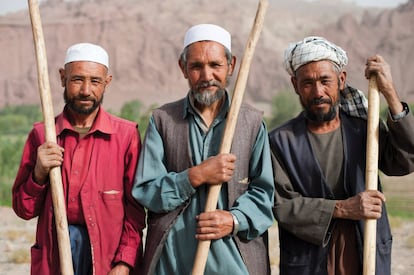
(16, 235)
(399, 193)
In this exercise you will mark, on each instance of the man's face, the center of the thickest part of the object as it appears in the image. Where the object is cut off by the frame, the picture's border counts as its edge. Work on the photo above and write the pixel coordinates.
(318, 85)
(84, 84)
(207, 71)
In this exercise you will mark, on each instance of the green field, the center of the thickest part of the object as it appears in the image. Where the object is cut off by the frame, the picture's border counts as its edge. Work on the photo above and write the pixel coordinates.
(16, 122)
(399, 193)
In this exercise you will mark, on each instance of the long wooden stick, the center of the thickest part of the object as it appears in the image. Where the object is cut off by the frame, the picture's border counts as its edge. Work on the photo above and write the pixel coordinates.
(371, 176)
(240, 85)
(55, 176)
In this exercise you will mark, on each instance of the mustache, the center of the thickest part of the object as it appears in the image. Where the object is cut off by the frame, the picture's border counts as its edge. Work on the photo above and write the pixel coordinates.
(79, 97)
(317, 101)
(210, 83)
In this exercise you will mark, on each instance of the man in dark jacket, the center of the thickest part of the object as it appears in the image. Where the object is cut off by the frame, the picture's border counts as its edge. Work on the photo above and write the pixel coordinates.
(319, 165)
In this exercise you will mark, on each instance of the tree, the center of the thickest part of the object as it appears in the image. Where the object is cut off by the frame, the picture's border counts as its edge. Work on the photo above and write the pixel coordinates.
(133, 111)
(285, 105)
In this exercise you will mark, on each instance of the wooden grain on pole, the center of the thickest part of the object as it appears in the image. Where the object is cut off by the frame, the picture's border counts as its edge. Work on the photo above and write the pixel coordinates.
(240, 85)
(55, 176)
(371, 176)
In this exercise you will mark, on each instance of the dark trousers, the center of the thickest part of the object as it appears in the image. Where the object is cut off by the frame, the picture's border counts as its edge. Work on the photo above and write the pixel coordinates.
(81, 250)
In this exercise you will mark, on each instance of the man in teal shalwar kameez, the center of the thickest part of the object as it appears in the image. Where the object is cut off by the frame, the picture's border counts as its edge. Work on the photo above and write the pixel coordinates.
(180, 159)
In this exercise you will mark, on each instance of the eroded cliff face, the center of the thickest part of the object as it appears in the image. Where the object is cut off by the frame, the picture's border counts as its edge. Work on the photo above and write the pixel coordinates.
(144, 40)
(389, 33)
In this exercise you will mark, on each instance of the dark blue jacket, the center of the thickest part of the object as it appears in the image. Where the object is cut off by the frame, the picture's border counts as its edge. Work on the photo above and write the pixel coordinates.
(291, 146)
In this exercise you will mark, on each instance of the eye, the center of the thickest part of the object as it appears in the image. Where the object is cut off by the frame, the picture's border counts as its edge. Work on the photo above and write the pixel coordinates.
(77, 80)
(215, 65)
(195, 67)
(307, 83)
(326, 81)
(96, 81)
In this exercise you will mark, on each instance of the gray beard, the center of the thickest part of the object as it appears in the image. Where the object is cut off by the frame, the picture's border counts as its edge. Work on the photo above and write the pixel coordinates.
(208, 98)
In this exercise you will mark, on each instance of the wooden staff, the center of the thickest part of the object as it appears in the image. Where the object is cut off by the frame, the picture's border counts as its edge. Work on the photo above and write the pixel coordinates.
(371, 174)
(55, 176)
(240, 85)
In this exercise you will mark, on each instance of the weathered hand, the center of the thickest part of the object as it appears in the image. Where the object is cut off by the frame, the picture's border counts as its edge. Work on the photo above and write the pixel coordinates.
(214, 225)
(365, 205)
(49, 155)
(214, 170)
(376, 65)
(119, 269)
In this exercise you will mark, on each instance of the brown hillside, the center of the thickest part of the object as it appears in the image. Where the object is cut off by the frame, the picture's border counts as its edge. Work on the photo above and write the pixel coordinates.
(144, 39)
(389, 33)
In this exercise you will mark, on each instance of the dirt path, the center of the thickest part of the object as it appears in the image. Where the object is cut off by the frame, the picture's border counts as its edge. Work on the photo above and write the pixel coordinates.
(17, 235)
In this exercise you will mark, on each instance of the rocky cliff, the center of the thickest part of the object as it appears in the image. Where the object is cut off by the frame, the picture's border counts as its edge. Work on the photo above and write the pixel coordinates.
(144, 40)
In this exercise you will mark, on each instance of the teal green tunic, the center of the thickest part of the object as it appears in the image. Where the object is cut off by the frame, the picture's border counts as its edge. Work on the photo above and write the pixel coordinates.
(161, 191)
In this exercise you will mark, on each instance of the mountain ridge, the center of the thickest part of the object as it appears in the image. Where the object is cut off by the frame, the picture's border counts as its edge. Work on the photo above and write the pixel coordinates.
(144, 40)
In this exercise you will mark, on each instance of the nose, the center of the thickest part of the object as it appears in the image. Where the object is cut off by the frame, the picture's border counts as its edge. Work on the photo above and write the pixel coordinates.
(206, 74)
(317, 89)
(86, 88)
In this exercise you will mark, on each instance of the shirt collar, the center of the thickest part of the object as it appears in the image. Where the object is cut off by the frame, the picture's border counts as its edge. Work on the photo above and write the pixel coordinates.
(101, 124)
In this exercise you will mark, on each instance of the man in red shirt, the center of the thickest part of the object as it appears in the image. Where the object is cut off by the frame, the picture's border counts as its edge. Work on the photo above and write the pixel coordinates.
(98, 154)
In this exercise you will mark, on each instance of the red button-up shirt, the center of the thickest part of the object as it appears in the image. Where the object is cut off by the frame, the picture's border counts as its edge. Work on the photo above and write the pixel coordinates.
(97, 174)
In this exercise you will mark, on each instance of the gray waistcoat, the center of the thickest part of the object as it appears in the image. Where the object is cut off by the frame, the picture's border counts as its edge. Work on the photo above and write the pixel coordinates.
(173, 128)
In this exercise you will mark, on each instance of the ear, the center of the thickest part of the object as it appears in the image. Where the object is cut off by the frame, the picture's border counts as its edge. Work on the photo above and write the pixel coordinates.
(62, 77)
(294, 82)
(108, 79)
(342, 80)
(183, 69)
(232, 65)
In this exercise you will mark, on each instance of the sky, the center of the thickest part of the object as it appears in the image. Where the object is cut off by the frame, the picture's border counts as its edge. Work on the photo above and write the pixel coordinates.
(377, 3)
(7, 6)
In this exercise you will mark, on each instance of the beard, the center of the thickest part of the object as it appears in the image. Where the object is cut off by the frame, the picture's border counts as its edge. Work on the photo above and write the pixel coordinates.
(321, 116)
(207, 98)
(71, 103)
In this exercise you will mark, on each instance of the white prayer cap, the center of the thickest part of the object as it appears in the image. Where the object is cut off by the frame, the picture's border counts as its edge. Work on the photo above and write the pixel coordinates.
(208, 32)
(313, 48)
(87, 52)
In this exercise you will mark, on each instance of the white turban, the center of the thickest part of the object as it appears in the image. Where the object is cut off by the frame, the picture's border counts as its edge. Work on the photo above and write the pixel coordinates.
(87, 52)
(311, 49)
(208, 32)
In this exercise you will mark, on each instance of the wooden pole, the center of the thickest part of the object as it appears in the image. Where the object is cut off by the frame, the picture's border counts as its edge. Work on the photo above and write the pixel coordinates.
(240, 85)
(371, 176)
(55, 176)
